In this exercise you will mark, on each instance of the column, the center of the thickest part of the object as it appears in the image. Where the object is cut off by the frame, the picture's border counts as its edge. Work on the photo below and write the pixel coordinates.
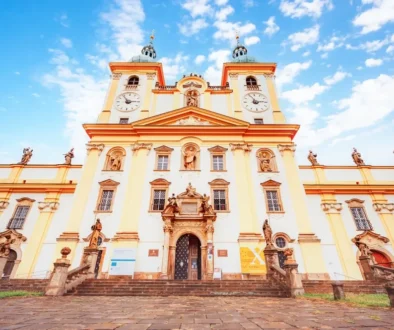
(127, 234)
(320, 176)
(148, 95)
(106, 113)
(236, 95)
(167, 228)
(365, 171)
(34, 244)
(279, 117)
(310, 245)
(385, 211)
(70, 237)
(16, 171)
(342, 242)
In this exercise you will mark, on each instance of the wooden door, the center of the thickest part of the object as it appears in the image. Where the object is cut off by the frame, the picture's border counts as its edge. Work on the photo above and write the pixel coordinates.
(194, 246)
(182, 258)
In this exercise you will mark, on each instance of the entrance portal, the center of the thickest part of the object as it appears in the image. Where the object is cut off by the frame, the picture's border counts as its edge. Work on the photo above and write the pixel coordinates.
(188, 258)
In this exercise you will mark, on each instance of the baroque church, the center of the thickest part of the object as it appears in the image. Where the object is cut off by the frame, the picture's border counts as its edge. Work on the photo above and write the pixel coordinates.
(179, 179)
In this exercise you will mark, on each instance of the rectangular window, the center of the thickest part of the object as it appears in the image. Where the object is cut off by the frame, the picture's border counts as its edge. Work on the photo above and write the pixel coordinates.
(273, 201)
(360, 218)
(159, 198)
(106, 200)
(218, 164)
(124, 121)
(259, 121)
(219, 200)
(19, 217)
(162, 163)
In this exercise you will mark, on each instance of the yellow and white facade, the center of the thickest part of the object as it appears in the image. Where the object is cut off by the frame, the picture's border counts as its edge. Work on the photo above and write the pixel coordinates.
(146, 125)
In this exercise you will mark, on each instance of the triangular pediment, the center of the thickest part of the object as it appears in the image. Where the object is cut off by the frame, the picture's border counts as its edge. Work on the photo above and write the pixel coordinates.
(270, 183)
(190, 116)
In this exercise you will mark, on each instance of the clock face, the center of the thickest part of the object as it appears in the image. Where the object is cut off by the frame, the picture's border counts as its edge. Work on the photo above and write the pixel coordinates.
(255, 102)
(127, 101)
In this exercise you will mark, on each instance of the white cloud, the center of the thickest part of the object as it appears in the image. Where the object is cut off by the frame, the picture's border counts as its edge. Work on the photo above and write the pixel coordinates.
(222, 14)
(324, 56)
(199, 59)
(372, 19)
(301, 8)
(306, 54)
(174, 66)
(372, 62)
(17, 73)
(251, 40)
(370, 46)
(346, 138)
(197, 7)
(272, 27)
(287, 74)
(213, 74)
(333, 43)
(221, 2)
(301, 39)
(59, 57)
(2, 109)
(337, 77)
(226, 30)
(190, 28)
(249, 3)
(66, 42)
(303, 94)
(35, 94)
(63, 20)
(390, 49)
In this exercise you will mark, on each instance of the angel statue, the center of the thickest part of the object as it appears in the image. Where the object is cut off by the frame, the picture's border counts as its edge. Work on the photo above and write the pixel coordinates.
(357, 157)
(27, 154)
(206, 208)
(68, 157)
(312, 158)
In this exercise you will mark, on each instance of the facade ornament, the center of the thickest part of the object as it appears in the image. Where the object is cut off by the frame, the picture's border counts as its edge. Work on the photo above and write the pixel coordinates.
(241, 146)
(379, 207)
(48, 206)
(264, 161)
(363, 247)
(289, 254)
(268, 234)
(192, 121)
(190, 191)
(93, 146)
(27, 154)
(4, 204)
(269, 75)
(192, 97)
(96, 229)
(357, 158)
(206, 208)
(6, 246)
(167, 227)
(151, 76)
(209, 229)
(116, 162)
(331, 207)
(192, 84)
(68, 157)
(138, 146)
(312, 158)
(233, 75)
(287, 147)
(116, 75)
(189, 158)
(65, 252)
(172, 206)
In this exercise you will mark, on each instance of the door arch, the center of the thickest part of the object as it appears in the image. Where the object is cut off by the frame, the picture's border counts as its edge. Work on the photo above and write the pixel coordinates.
(188, 258)
(381, 259)
(9, 266)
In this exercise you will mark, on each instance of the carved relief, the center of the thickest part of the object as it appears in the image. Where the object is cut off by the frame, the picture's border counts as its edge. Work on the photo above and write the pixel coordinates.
(192, 121)
(331, 207)
(266, 160)
(3, 204)
(241, 146)
(172, 206)
(382, 207)
(138, 146)
(96, 229)
(233, 75)
(93, 146)
(312, 158)
(192, 84)
(11, 239)
(48, 206)
(192, 98)
(116, 75)
(357, 158)
(5, 246)
(287, 147)
(115, 159)
(151, 76)
(190, 153)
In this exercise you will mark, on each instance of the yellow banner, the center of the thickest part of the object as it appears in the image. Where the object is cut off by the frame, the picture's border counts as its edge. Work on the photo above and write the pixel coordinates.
(252, 260)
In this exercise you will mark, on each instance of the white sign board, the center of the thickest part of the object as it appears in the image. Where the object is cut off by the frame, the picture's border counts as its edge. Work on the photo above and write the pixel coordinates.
(123, 262)
(217, 274)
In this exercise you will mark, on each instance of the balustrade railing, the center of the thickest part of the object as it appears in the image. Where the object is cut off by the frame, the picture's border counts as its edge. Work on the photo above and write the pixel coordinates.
(76, 276)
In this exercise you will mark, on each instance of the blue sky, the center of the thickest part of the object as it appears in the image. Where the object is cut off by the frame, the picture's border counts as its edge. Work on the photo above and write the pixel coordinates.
(335, 66)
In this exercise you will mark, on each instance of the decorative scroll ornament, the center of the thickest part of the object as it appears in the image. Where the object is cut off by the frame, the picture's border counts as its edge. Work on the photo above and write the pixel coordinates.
(116, 75)
(139, 146)
(312, 158)
(241, 146)
(167, 227)
(192, 121)
(93, 146)
(27, 154)
(209, 229)
(150, 76)
(287, 147)
(384, 207)
(233, 75)
(331, 207)
(192, 84)
(48, 206)
(4, 204)
(269, 75)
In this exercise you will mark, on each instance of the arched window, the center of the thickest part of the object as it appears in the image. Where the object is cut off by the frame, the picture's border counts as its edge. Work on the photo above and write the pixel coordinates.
(133, 81)
(251, 81)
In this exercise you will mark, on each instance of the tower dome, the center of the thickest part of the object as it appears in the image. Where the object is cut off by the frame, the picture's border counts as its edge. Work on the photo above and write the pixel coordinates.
(148, 52)
(240, 53)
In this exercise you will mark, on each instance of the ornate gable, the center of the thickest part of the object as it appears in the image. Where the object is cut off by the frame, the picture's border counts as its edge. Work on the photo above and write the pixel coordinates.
(270, 183)
(370, 238)
(164, 149)
(218, 149)
(108, 183)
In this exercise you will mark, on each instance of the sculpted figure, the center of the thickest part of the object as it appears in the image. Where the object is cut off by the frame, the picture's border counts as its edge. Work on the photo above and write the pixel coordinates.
(93, 243)
(192, 98)
(206, 208)
(116, 163)
(172, 206)
(357, 157)
(267, 233)
(364, 249)
(189, 158)
(68, 157)
(190, 191)
(312, 158)
(6, 246)
(265, 162)
(27, 154)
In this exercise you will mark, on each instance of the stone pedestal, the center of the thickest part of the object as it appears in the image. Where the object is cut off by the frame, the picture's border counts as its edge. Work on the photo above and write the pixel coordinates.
(294, 280)
(366, 263)
(90, 256)
(57, 284)
(390, 292)
(337, 289)
(3, 261)
(271, 258)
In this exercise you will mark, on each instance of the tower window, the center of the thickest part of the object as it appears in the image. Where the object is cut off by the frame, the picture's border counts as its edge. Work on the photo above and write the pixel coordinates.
(124, 121)
(133, 81)
(259, 121)
(251, 81)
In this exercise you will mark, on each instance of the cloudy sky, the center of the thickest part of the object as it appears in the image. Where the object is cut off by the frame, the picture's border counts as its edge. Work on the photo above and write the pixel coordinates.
(335, 66)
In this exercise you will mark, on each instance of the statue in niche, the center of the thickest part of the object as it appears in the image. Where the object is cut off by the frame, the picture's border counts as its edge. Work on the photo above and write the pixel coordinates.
(68, 157)
(192, 98)
(312, 158)
(268, 234)
(265, 161)
(206, 208)
(189, 158)
(115, 162)
(96, 229)
(172, 206)
(357, 157)
(190, 191)
(6, 246)
(364, 249)
(27, 154)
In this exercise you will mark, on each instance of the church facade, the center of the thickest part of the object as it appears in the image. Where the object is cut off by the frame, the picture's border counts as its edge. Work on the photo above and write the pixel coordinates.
(182, 178)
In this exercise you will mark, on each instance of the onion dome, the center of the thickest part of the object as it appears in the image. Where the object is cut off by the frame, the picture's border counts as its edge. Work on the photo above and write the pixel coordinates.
(240, 53)
(148, 52)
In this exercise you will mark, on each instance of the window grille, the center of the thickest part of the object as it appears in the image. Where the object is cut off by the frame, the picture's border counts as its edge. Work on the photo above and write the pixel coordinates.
(280, 242)
(360, 218)
(162, 163)
(273, 201)
(159, 198)
(106, 200)
(219, 200)
(218, 164)
(133, 80)
(19, 217)
(124, 121)
(251, 81)
(259, 121)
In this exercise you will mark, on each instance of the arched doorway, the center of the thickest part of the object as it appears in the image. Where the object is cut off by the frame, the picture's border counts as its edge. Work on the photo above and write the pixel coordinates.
(381, 259)
(188, 258)
(9, 266)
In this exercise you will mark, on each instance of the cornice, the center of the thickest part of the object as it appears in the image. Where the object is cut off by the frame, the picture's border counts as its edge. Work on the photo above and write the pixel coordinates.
(256, 67)
(348, 189)
(65, 188)
(138, 66)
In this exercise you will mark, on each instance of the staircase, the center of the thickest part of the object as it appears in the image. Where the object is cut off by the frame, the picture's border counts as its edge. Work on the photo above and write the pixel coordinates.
(122, 287)
(357, 287)
(23, 284)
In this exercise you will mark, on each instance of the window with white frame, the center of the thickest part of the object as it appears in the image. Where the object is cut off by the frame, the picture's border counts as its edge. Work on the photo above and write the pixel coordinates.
(159, 199)
(106, 200)
(19, 217)
(218, 162)
(162, 162)
(360, 218)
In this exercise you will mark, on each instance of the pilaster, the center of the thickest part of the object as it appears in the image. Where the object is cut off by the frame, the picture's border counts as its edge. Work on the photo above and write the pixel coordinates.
(207, 101)
(278, 116)
(365, 171)
(150, 77)
(106, 112)
(320, 175)
(234, 85)
(385, 211)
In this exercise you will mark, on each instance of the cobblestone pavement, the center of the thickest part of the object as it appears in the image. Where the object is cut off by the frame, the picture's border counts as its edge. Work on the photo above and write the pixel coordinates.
(124, 313)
